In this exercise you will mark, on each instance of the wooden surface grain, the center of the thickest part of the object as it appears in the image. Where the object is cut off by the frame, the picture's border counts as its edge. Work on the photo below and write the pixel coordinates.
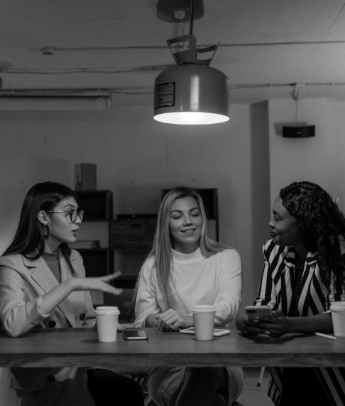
(80, 347)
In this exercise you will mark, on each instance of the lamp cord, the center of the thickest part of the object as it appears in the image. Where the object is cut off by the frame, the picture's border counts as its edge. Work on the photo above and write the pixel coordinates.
(191, 19)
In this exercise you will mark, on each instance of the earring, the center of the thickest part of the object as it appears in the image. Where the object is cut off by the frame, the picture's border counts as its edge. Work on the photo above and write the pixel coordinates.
(46, 230)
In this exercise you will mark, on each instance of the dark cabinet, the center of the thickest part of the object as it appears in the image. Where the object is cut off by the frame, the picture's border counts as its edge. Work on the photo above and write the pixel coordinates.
(93, 241)
(131, 240)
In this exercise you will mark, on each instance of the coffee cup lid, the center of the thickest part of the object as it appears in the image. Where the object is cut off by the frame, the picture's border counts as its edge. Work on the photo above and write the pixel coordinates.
(337, 306)
(203, 308)
(106, 310)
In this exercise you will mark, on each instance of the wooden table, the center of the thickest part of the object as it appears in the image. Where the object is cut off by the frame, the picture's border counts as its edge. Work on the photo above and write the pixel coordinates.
(80, 347)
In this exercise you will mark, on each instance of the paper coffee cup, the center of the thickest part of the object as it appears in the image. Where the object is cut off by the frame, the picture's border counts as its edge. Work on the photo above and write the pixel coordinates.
(338, 318)
(107, 319)
(203, 316)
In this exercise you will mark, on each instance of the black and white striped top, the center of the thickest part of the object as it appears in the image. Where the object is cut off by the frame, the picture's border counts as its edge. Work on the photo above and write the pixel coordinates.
(276, 290)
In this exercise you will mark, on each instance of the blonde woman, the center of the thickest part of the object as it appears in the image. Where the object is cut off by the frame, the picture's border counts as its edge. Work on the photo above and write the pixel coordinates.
(186, 268)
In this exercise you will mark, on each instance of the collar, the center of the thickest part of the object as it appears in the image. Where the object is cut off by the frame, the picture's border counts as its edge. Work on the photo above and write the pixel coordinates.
(187, 258)
(290, 257)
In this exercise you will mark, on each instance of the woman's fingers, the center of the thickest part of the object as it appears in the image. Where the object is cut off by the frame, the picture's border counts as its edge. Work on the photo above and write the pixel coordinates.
(167, 319)
(110, 277)
(112, 289)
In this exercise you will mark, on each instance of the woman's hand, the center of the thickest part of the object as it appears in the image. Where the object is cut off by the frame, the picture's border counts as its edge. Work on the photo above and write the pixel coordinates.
(99, 284)
(274, 326)
(172, 321)
(245, 327)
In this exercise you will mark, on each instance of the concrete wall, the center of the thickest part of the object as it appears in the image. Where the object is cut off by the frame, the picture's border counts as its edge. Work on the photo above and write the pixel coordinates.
(246, 159)
(136, 157)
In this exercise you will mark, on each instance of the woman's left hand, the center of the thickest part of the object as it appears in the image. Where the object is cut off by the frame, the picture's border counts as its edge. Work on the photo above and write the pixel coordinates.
(172, 321)
(275, 325)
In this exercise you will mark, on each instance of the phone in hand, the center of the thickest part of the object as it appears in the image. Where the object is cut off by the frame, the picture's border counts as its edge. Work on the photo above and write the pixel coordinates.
(257, 311)
(134, 334)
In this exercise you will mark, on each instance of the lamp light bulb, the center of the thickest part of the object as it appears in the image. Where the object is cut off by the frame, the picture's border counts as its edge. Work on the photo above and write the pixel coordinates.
(179, 14)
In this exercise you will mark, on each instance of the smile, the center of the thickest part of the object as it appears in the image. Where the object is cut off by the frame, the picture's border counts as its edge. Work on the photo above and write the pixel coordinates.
(189, 231)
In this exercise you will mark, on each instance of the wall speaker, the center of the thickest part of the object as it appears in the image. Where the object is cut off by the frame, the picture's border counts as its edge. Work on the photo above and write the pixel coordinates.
(299, 131)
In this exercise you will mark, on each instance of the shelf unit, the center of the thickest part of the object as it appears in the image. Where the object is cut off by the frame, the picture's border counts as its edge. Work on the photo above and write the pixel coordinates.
(96, 226)
(125, 242)
(131, 240)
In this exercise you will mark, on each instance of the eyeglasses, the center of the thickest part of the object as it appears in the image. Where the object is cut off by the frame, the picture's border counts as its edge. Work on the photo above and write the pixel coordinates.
(72, 215)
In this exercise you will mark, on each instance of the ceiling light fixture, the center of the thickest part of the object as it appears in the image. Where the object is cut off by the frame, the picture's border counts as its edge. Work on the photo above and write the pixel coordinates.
(179, 11)
(192, 92)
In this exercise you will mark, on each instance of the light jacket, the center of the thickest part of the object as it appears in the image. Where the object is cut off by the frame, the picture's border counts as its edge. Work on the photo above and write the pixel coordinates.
(23, 282)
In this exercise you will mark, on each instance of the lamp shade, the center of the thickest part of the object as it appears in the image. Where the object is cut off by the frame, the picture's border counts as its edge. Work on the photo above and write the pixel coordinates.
(191, 94)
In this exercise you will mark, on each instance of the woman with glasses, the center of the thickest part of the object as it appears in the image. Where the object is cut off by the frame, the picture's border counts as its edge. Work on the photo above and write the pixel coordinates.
(43, 285)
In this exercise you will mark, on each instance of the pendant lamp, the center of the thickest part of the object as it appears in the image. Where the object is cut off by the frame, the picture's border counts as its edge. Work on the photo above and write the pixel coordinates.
(179, 11)
(191, 93)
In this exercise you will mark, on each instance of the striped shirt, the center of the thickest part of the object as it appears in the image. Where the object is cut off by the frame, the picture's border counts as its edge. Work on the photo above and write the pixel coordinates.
(280, 290)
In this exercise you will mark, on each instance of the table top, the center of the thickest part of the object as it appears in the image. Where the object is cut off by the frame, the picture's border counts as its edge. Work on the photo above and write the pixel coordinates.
(80, 347)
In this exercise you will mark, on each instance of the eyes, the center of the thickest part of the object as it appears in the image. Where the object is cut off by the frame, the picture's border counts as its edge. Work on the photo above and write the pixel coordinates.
(178, 215)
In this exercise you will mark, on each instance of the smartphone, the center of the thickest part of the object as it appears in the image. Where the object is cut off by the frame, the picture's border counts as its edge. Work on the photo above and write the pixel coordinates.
(133, 334)
(257, 311)
(217, 332)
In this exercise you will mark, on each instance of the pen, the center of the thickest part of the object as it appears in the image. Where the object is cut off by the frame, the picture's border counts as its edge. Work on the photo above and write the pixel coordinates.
(325, 336)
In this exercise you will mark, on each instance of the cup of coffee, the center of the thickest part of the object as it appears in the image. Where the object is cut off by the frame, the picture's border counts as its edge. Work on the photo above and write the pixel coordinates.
(203, 316)
(338, 318)
(107, 318)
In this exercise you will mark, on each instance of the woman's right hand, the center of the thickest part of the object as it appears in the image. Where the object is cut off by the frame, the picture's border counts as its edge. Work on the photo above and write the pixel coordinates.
(246, 328)
(99, 284)
(172, 321)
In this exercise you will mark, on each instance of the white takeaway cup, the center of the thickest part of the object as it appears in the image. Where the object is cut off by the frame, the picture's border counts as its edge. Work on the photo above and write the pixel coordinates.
(338, 318)
(107, 318)
(203, 316)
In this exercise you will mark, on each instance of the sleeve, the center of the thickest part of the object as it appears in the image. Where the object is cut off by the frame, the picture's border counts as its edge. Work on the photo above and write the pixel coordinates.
(228, 298)
(146, 302)
(18, 313)
(266, 292)
(90, 319)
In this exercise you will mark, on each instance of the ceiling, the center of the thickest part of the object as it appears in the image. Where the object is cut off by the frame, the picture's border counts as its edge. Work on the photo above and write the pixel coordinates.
(119, 46)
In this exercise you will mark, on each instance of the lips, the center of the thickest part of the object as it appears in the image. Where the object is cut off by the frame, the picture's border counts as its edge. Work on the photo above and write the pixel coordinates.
(273, 234)
(189, 231)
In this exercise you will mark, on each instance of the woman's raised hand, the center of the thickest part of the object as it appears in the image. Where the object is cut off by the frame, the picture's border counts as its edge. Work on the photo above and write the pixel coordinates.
(100, 284)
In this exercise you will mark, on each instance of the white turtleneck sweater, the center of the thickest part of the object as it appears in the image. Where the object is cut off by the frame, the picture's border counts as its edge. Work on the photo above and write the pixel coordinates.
(197, 280)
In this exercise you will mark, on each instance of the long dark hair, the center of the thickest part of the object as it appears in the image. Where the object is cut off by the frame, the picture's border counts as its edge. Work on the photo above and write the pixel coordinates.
(322, 227)
(29, 239)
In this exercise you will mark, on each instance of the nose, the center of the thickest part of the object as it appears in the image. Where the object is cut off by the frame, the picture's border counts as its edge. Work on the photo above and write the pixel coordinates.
(78, 221)
(187, 221)
(271, 224)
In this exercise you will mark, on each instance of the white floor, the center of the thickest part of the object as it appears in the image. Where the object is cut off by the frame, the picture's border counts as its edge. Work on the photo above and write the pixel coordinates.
(254, 395)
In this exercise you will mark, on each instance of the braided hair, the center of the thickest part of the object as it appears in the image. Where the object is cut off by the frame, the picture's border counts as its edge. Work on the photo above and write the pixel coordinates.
(322, 228)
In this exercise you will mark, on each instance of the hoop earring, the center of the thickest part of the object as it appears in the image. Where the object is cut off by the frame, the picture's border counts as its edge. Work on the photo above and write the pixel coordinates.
(46, 231)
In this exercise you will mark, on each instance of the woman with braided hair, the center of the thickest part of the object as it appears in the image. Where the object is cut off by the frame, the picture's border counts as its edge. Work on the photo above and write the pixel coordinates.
(303, 274)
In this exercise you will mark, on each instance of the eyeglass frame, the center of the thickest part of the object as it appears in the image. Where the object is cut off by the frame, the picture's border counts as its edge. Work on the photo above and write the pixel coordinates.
(79, 214)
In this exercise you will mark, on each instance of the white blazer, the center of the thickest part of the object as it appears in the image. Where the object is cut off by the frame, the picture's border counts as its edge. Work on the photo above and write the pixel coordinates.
(23, 282)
